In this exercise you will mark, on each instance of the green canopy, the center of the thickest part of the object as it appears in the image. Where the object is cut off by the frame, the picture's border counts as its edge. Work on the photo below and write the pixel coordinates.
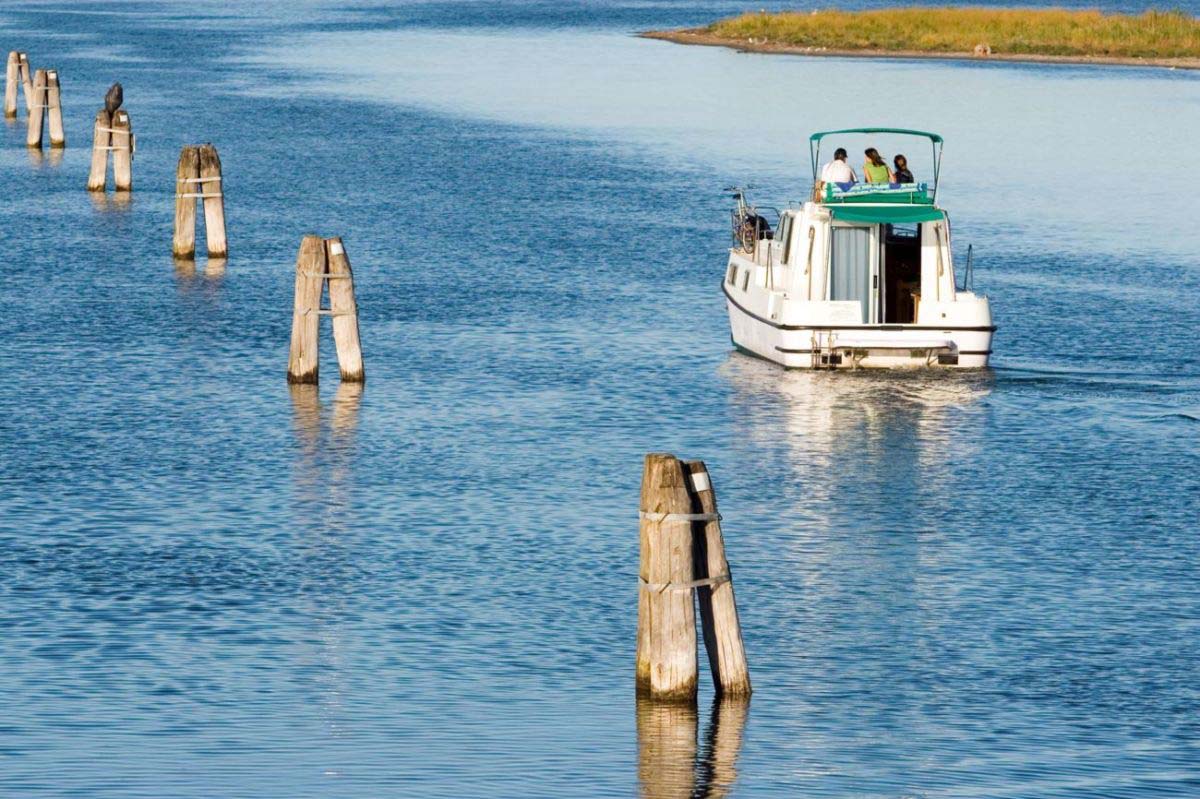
(885, 214)
(933, 137)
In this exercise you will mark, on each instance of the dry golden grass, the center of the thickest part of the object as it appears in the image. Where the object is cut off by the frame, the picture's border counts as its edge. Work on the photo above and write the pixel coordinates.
(1051, 31)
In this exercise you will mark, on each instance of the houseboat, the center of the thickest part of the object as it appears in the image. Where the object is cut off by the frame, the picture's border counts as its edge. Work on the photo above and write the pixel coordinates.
(860, 276)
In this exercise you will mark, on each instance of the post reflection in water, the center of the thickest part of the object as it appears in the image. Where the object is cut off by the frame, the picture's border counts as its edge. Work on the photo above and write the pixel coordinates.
(52, 157)
(343, 418)
(672, 764)
(212, 268)
(104, 202)
(324, 513)
(185, 268)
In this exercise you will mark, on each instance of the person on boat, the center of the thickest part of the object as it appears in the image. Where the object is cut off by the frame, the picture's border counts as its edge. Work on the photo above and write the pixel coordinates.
(901, 173)
(838, 170)
(875, 169)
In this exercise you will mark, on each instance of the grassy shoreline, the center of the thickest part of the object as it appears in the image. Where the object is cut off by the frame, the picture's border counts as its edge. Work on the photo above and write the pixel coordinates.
(1050, 35)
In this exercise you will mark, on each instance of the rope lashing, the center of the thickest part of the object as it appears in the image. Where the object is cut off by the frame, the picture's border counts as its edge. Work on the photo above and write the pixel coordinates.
(199, 194)
(658, 588)
(679, 517)
(326, 312)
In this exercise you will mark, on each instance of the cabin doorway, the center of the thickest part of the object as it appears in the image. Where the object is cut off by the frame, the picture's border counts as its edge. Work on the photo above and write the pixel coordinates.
(900, 274)
(853, 268)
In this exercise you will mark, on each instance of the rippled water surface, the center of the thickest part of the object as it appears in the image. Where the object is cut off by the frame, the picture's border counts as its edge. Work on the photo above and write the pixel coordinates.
(952, 585)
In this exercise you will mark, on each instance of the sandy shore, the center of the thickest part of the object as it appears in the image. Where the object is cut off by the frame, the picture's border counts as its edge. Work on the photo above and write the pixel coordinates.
(699, 36)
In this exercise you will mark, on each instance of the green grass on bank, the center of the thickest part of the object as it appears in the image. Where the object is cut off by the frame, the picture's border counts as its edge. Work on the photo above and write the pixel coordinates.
(1051, 31)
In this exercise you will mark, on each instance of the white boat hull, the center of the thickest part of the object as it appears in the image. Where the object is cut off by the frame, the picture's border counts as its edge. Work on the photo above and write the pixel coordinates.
(818, 346)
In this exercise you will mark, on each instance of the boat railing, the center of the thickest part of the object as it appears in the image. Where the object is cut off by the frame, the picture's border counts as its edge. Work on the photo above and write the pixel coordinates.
(968, 283)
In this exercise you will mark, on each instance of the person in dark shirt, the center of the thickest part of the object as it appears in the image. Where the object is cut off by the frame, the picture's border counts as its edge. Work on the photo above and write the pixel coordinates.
(901, 172)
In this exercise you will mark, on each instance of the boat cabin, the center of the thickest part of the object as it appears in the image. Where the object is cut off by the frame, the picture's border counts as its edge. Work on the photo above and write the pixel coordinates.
(873, 261)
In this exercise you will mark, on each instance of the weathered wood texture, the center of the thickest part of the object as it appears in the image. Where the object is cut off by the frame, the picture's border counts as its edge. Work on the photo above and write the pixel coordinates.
(310, 268)
(344, 309)
(718, 609)
(12, 82)
(37, 108)
(54, 116)
(101, 141)
(27, 82)
(122, 144)
(213, 188)
(17, 75)
(667, 749)
(666, 643)
(187, 176)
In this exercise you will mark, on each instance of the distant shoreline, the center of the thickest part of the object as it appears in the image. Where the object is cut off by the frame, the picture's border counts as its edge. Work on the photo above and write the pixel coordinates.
(700, 36)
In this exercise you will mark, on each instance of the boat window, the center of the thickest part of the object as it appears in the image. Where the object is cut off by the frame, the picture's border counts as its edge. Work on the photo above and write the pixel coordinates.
(785, 233)
(904, 233)
(746, 280)
(731, 275)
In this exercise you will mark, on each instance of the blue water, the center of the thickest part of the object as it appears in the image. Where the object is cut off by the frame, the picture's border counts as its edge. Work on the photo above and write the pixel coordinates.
(952, 585)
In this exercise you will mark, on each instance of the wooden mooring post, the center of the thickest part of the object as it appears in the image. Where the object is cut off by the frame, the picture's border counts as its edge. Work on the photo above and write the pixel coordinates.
(37, 110)
(16, 77)
(682, 551)
(198, 177)
(322, 262)
(718, 609)
(112, 134)
(46, 104)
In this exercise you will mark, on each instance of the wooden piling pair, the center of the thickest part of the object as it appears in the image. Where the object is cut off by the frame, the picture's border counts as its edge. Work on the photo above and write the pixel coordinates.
(683, 553)
(45, 102)
(16, 77)
(112, 135)
(324, 262)
(198, 177)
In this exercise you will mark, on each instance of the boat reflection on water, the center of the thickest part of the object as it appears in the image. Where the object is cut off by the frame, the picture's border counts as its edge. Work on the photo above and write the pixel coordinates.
(673, 764)
(828, 428)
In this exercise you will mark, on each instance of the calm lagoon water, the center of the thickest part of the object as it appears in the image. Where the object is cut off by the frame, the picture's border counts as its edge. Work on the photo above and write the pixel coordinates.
(971, 585)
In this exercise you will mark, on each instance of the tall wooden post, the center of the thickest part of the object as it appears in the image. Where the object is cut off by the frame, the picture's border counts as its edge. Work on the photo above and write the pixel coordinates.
(12, 81)
(26, 82)
(666, 644)
(101, 143)
(37, 108)
(310, 271)
(122, 150)
(718, 609)
(58, 136)
(344, 309)
(213, 192)
(187, 178)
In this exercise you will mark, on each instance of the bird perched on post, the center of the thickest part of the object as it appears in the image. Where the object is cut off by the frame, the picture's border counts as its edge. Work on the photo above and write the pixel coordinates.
(114, 98)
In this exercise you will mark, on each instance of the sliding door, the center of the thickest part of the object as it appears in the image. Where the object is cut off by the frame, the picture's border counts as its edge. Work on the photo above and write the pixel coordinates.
(852, 267)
